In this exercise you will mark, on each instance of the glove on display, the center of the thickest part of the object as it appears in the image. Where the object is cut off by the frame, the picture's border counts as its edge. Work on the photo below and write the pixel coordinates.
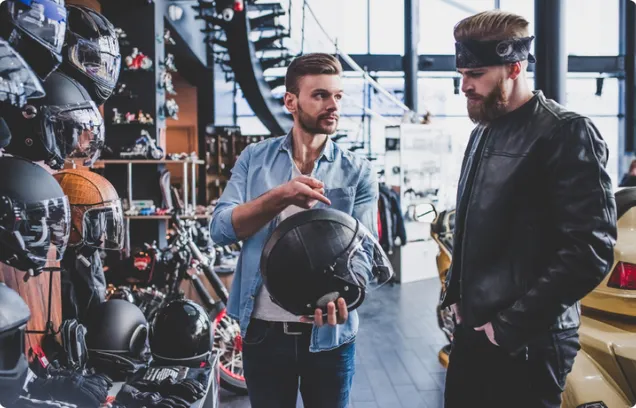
(25, 402)
(187, 389)
(64, 385)
(131, 397)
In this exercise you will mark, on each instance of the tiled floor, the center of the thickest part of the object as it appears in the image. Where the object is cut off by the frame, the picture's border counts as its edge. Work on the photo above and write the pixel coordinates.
(397, 350)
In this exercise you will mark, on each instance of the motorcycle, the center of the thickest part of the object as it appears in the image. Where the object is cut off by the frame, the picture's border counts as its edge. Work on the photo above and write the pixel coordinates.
(157, 277)
(604, 371)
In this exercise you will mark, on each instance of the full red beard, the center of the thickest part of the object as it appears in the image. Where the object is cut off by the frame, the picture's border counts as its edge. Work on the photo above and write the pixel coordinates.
(488, 108)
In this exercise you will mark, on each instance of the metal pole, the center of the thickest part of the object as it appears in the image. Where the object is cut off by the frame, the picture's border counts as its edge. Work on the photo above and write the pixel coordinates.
(193, 184)
(369, 26)
(185, 186)
(411, 58)
(628, 41)
(551, 68)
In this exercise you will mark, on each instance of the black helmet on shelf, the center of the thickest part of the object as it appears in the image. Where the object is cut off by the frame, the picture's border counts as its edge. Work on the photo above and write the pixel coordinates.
(317, 256)
(14, 315)
(181, 334)
(36, 29)
(91, 52)
(65, 123)
(116, 336)
(18, 82)
(35, 215)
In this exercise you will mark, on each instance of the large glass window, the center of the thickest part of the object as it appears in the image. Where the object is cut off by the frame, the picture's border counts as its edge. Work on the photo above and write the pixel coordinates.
(591, 26)
(437, 19)
(387, 26)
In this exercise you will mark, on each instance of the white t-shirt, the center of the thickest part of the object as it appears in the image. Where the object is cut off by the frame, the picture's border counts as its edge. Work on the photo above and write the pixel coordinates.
(264, 308)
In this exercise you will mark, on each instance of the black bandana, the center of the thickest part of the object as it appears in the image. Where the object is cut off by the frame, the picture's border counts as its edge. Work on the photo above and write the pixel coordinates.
(477, 54)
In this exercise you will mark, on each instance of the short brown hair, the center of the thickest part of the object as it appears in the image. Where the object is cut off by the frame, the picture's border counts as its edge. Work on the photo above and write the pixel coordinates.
(310, 64)
(491, 25)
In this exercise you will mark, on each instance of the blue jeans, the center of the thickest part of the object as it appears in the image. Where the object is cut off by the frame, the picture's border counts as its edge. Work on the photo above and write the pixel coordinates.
(277, 365)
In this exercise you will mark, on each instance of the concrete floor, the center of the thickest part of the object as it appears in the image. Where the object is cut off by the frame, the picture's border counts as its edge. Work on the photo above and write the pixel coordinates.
(397, 350)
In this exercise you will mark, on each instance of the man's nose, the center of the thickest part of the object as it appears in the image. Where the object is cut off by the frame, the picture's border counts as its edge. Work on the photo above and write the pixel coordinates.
(467, 86)
(333, 104)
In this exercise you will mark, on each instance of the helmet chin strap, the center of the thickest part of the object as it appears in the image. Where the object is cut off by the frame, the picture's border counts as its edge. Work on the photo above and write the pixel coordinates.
(12, 240)
(83, 252)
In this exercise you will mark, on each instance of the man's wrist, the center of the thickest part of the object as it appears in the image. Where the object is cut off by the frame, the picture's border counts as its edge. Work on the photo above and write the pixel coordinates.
(278, 198)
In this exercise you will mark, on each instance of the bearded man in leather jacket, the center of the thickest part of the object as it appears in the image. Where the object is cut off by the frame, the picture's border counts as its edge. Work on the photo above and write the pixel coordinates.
(535, 226)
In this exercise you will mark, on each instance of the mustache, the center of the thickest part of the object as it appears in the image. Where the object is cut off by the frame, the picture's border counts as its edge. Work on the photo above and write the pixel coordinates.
(329, 115)
(473, 95)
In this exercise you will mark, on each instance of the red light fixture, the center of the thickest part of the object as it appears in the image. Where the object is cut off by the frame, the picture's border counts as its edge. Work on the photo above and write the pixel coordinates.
(623, 276)
(239, 6)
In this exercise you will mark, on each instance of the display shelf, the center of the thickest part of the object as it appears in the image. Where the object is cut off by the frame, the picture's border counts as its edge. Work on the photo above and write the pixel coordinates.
(132, 124)
(148, 161)
(167, 217)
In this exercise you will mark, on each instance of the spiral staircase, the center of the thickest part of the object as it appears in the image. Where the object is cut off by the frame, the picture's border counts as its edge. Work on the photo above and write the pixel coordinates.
(247, 39)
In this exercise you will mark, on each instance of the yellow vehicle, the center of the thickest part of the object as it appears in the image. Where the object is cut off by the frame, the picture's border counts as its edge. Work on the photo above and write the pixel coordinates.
(604, 372)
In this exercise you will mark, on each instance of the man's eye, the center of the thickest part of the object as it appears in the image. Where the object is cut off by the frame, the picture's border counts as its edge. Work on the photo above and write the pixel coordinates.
(475, 74)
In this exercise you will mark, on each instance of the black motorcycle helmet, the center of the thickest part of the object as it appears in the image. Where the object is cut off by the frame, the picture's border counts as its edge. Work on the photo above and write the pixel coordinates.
(116, 336)
(181, 334)
(91, 52)
(34, 215)
(65, 123)
(36, 29)
(317, 256)
(18, 82)
(14, 314)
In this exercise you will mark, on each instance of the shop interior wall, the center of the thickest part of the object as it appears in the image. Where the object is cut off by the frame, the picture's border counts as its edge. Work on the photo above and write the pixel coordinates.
(182, 134)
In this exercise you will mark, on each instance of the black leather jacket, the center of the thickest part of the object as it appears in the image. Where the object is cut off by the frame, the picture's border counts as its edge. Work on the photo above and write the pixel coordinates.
(535, 224)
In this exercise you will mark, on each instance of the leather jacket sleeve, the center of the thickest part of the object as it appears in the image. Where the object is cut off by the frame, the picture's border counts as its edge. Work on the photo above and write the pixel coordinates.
(582, 204)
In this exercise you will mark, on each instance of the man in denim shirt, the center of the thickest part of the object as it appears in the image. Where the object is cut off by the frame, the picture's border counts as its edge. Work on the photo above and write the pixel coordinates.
(272, 180)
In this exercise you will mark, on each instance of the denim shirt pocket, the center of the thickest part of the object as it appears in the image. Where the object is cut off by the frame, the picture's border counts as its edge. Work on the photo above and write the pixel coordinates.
(342, 198)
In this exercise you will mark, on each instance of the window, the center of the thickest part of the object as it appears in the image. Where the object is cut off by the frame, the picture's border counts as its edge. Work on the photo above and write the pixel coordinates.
(593, 29)
(387, 26)
(251, 125)
(343, 21)
(437, 19)
(582, 99)
(590, 30)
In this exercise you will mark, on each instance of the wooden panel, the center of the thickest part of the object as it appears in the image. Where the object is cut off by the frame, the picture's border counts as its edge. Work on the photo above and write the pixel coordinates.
(94, 4)
(35, 293)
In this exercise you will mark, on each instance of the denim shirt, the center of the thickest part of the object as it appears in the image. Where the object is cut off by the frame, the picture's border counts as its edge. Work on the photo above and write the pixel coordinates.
(350, 185)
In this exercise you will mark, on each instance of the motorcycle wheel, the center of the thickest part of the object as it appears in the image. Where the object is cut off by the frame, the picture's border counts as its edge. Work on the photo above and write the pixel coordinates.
(227, 339)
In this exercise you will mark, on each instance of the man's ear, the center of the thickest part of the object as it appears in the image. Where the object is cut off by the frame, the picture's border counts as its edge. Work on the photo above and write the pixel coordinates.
(290, 102)
(515, 70)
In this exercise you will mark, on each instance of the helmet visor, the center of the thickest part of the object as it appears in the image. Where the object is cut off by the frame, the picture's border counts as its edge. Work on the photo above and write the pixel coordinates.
(78, 130)
(44, 227)
(99, 60)
(364, 263)
(103, 226)
(44, 20)
(17, 81)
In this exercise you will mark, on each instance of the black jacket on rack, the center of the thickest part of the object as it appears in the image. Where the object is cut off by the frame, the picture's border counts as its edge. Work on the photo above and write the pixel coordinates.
(391, 218)
(82, 286)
